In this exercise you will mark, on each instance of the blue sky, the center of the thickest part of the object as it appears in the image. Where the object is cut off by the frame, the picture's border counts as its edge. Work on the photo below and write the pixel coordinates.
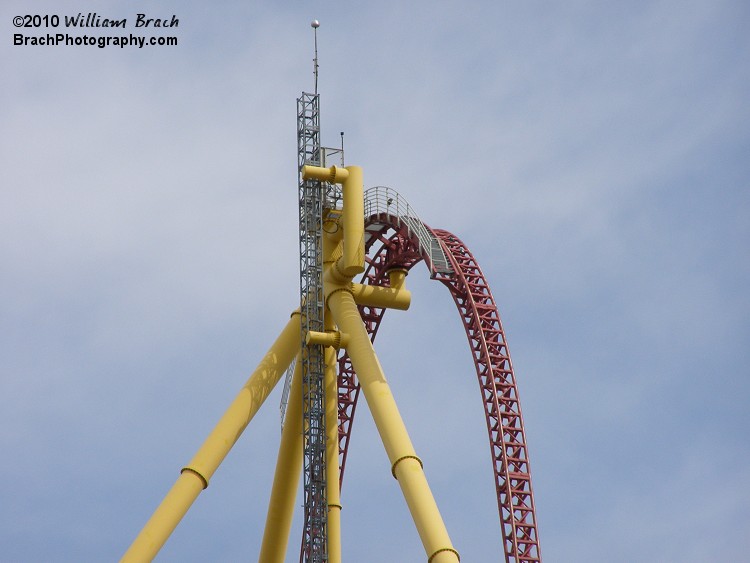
(592, 155)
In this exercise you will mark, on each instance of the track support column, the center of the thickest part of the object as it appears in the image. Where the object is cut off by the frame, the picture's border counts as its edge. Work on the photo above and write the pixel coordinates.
(333, 493)
(195, 477)
(285, 480)
(406, 466)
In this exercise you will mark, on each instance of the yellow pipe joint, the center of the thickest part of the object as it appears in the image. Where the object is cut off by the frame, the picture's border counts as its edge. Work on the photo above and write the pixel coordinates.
(350, 178)
(334, 277)
(397, 277)
(334, 174)
(404, 458)
(446, 554)
(203, 479)
(332, 338)
(384, 297)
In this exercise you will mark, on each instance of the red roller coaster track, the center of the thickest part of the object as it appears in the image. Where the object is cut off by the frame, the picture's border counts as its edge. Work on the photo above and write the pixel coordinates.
(391, 244)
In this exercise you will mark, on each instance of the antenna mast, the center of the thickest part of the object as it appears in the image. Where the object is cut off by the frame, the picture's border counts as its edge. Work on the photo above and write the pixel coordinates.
(315, 25)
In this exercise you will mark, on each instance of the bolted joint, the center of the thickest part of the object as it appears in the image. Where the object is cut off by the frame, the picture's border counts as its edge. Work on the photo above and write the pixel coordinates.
(332, 338)
(444, 550)
(197, 473)
(404, 458)
(334, 276)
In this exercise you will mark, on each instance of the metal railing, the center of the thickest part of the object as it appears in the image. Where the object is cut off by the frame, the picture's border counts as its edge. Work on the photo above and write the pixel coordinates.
(383, 200)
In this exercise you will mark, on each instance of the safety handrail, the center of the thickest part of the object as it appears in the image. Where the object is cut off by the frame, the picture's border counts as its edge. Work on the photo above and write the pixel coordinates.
(382, 199)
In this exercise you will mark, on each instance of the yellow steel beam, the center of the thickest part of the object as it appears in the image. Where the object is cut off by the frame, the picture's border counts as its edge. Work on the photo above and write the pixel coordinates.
(196, 476)
(333, 492)
(353, 261)
(350, 178)
(379, 296)
(286, 478)
(338, 289)
(406, 466)
(334, 174)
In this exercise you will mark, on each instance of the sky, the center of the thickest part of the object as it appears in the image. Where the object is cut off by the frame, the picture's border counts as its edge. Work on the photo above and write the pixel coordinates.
(592, 155)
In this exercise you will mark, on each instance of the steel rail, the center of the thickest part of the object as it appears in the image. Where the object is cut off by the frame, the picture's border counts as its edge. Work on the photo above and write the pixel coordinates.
(392, 243)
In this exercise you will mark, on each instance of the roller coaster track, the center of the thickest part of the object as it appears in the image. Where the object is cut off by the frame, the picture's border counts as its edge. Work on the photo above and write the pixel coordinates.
(396, 238)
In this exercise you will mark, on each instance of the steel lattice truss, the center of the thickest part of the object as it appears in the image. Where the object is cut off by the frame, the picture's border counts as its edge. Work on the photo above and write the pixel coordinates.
(391, 245)
(311, 198)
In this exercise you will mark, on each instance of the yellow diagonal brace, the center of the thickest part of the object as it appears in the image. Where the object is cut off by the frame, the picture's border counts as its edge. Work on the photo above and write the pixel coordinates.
(285, 479)
(406, 465)
(195, 477)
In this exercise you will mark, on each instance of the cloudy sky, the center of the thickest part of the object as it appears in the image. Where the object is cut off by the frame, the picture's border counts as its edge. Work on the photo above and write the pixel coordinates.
(594, 157)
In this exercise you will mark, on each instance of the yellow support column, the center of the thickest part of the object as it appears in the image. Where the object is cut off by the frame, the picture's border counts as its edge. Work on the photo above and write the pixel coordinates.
(195, 477)
(333, 492)
(353, 261)
(406, 466)
(351, 180)
(286, 478)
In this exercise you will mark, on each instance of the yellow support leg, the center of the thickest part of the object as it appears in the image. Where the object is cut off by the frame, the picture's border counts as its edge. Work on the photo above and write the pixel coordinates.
(332, 457)
(406, 466)
(286, 478)
(195, 477)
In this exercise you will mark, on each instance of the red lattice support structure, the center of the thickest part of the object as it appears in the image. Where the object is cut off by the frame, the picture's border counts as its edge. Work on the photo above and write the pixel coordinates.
(484, 330)
(393, 242)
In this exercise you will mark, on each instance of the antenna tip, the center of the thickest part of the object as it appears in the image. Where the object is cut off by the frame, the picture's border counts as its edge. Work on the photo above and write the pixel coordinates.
(315, 24)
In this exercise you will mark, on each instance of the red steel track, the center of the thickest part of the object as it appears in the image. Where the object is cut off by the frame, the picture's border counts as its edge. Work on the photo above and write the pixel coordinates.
(391, 245)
